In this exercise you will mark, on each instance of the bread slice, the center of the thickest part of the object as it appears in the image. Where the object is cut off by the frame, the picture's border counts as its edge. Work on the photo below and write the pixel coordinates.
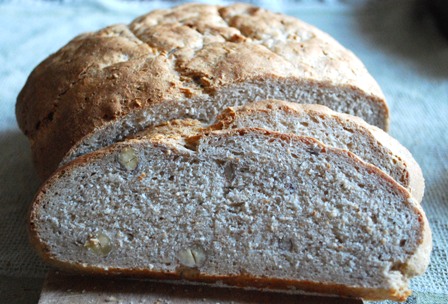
(243, 207)
(190, 61)
(343, 131)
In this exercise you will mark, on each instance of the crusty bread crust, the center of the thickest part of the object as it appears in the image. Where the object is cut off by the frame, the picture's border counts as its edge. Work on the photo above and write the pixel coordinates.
(176, 55)
(415, 264)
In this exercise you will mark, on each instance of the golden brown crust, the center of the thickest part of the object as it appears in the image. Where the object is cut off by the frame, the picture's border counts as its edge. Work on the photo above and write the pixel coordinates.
(175, 54)
(174, 129)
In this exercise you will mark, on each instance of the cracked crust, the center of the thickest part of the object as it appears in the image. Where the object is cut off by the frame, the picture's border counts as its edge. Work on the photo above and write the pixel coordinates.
(169, 57)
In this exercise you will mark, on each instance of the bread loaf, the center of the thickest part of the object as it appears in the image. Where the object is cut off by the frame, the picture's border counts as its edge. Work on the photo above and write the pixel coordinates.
(190, 61)
(242, 207)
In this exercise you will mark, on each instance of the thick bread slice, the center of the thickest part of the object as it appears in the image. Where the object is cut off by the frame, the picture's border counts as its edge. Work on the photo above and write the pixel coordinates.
(343, 131)
(189, 61)
(244, 207)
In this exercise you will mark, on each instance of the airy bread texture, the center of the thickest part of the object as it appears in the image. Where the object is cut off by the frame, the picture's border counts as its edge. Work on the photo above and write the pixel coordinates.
(190, 61)
(243, 207)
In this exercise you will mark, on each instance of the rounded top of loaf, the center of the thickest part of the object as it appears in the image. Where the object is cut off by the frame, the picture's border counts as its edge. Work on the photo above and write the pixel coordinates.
(175, 54)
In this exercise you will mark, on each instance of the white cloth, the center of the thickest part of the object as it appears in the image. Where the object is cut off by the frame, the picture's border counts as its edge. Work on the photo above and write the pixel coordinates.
(395, 40)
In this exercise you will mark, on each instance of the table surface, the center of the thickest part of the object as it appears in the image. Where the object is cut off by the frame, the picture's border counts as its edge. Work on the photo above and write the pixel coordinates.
(60, 288)
(395, 39)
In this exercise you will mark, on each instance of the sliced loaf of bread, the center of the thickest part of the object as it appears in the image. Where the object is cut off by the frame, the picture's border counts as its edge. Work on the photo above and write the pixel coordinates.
(243, 207)
(190, 61)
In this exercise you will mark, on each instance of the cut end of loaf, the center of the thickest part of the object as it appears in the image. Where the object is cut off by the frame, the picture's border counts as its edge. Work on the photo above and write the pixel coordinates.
(245, 207)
